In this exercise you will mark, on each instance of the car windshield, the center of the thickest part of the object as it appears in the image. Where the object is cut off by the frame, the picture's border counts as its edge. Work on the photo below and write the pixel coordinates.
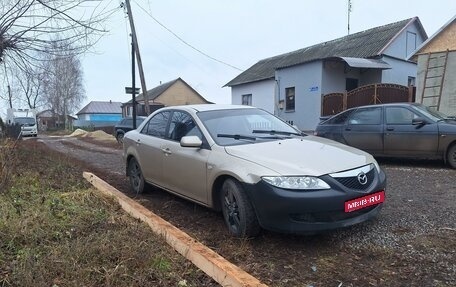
(435, 115)
(25, 121)
(243, 126)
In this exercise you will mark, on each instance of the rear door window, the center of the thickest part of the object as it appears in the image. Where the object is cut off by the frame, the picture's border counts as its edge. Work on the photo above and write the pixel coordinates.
(366, 116)
(157, 125)
(339, 119)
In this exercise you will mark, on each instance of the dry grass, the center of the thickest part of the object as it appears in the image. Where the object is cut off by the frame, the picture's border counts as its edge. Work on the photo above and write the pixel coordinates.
(57, 231)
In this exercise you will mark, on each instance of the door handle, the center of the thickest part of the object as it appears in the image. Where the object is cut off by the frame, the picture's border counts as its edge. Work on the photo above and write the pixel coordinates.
(166, 151)
(348, 129)
(390, 129)
(138, 142)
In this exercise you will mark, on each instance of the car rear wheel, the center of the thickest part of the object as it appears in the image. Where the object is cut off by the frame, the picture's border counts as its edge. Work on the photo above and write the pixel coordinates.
(136, 177)
(120, 137)
(451, 156)
(238, 212)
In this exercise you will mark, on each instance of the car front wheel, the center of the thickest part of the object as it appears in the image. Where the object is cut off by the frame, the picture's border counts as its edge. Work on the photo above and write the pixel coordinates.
(238, 211)
(136, 177)
(451, 156)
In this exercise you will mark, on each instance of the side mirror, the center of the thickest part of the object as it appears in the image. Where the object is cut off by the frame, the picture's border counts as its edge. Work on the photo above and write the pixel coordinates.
(190, 141)
(419, 122)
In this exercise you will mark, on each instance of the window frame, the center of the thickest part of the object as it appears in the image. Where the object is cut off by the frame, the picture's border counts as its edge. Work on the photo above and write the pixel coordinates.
(288, 107)
(249, 99)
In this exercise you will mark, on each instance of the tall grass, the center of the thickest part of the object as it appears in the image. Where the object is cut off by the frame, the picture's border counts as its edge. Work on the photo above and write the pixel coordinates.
(55, 230)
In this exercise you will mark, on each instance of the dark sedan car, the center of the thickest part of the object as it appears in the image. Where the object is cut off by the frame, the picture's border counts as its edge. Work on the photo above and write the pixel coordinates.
(395, 130)
(125, 125)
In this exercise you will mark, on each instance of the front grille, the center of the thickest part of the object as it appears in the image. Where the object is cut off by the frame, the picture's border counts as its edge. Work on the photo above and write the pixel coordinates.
(329, 216)
(353, 182)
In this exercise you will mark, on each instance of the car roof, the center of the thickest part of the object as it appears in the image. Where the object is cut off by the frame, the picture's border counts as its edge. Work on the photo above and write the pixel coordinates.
(209, 107)
(387, 105)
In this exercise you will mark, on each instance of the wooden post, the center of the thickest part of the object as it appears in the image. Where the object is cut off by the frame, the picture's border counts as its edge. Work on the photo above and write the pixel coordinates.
(138, 57)
(344, 101)
(375, 93)
(410, 93)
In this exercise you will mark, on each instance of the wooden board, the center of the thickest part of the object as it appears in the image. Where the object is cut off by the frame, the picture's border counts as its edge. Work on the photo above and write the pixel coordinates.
(214, 265)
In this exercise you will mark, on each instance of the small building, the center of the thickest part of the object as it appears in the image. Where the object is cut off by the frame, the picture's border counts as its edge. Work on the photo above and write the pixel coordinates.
(292, 85)
(99, 114)
(48, 119)
(436, 85)
(172, 93)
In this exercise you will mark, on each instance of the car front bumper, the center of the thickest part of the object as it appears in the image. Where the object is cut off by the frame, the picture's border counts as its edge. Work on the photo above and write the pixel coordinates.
(292, 211)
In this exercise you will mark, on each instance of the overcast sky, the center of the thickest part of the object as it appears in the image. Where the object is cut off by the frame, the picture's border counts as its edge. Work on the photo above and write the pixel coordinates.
(238, 32)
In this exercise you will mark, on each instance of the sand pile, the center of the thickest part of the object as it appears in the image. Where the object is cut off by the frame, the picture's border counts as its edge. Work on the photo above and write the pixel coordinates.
(78, 132)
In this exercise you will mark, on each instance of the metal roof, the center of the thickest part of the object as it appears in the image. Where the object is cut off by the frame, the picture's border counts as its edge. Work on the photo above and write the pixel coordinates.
(98, 107)
(366, 63)
(365, 44)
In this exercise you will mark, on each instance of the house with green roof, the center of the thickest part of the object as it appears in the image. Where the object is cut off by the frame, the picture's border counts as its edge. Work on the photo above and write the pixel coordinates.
(292, 85)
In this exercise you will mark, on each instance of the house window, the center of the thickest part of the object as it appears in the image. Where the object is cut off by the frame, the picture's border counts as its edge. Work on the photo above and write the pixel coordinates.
(410, 44)
(351, 84)
(290, 99)
(247, 100)
(411, 81)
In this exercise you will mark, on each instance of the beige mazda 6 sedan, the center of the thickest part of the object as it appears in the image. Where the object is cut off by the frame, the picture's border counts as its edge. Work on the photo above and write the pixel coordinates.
(255, 168)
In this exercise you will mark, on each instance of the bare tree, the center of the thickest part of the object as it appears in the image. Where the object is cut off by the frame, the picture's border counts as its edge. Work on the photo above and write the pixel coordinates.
(29, 83)
(29, 26)
(63, 88)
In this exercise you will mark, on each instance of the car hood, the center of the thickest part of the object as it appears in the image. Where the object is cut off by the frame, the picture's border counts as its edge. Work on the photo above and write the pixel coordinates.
(310, 155)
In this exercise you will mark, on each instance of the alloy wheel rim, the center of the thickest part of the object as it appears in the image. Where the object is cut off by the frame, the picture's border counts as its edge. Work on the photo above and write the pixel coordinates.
(135, 176)
(232, 211)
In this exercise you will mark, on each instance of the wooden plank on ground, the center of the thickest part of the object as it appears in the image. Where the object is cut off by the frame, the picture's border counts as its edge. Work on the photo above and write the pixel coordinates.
(214, 265)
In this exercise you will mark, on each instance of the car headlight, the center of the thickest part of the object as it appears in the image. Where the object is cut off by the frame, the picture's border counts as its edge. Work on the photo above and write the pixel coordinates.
(296, 182)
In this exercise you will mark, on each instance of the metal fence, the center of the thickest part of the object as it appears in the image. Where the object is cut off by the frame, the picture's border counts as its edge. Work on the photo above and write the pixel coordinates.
(366, 95)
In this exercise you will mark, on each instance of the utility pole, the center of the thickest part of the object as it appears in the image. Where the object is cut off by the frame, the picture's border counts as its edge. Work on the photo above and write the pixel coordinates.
(133, 87)
(138, 57)
(10, 99)
(348, 14)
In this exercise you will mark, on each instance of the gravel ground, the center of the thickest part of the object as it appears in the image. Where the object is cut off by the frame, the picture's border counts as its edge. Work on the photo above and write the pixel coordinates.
(411, 243)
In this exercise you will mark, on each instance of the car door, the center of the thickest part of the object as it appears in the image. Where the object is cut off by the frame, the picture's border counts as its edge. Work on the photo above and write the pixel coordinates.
(364, 130)
(184, 168)
(149, 146)
(402, 137)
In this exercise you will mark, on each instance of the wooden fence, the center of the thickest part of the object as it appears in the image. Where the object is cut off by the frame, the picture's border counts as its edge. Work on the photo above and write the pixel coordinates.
(366, 95)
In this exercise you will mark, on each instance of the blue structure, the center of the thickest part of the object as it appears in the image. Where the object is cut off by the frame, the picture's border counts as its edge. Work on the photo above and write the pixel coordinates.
(99, 114)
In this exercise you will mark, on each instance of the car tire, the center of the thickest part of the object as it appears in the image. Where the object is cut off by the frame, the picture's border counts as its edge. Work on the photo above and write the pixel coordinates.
(238, 212)
(136, 177)
(451, 156)
(120, 137)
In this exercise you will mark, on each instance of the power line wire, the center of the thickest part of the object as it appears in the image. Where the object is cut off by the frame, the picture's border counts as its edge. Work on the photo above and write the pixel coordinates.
(186, 43)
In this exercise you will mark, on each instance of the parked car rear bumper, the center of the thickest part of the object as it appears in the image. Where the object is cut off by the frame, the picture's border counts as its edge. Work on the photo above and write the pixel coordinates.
(293, 211)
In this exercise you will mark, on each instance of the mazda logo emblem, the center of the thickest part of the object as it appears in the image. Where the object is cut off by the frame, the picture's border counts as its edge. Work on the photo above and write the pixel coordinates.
(362, 178)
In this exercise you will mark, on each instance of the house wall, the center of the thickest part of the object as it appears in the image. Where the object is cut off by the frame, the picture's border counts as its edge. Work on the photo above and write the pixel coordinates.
(335, 74)
(443, 41)
(180, 94)
(399, 72)
(97, 120)
(307, 82)
(405, 44)
(262, 94)
(448, 97)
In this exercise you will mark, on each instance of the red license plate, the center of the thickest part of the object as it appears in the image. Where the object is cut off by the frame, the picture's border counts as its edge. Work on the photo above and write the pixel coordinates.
(365, 201)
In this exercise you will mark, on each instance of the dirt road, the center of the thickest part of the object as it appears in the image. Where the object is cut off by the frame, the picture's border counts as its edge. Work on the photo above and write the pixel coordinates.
(412, 243)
